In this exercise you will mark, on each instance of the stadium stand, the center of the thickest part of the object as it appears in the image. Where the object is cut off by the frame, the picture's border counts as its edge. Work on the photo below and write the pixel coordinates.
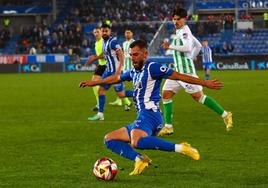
(4, 37)
(72, 31)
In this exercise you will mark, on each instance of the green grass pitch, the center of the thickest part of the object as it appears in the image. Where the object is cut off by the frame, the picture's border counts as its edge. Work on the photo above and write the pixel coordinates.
(46, 140)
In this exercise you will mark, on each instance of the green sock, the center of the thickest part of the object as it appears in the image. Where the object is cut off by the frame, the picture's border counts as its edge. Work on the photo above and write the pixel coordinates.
(168, 114)
(95, 90)
(212, 104)
(126, 101)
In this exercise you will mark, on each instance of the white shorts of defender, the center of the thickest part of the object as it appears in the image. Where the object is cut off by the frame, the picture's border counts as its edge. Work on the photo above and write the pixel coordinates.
(175, 86)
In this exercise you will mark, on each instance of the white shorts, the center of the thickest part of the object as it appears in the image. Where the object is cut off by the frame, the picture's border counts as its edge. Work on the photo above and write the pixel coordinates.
(175, 85)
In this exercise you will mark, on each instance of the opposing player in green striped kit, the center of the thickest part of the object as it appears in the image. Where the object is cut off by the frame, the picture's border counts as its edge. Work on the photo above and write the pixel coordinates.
(127, 61)
(185, 48)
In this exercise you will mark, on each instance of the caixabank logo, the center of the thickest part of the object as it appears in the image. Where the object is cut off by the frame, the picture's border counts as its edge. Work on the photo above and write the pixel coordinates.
(79, 67)
(262, 65)
(31, 68)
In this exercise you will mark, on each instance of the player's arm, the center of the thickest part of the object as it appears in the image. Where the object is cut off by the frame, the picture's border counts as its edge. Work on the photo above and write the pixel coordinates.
(93, 58)
(121, 56)
(196, 49)
(114, 79)
(185, 45)
(212, 84)
(109, 80)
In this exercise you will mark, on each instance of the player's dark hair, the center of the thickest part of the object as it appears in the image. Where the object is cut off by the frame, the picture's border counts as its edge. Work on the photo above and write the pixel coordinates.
(140, 43)
(182, 13)
(105, 26)
(128, 29)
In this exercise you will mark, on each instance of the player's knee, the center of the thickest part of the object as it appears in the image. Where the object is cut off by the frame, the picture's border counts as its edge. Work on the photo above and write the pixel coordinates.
(197, 97)
(107, 137)
(134, 143)
(101, 91)
(167, 95)
(120, 94)
(108, 141)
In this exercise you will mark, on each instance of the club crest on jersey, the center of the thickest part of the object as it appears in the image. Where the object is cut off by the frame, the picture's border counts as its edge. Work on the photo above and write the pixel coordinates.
(163, 69)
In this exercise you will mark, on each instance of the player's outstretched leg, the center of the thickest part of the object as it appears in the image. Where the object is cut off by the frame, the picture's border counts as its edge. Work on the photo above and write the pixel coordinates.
(142, 162)
(102, 99)
(99, 116)
(216, 107)
(155, 143)
(117, 140)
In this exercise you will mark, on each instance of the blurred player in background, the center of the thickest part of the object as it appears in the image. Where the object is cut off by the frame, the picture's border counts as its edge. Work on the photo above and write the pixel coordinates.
(101, 63)
(146, 78)
(114, 57)
(206, 58)
(127, 61)
(184, 48)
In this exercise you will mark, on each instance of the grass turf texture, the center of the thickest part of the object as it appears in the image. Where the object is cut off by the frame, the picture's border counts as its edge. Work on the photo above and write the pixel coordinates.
(46, 140)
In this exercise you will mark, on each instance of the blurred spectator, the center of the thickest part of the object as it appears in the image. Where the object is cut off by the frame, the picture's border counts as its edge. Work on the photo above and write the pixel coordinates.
(6, 22)
(57, 39)
(227, 47)
(246, 17)
(229, 22)
(4, 36)
(249, 32)
(32, 51)
(265, 19)
(121, 10)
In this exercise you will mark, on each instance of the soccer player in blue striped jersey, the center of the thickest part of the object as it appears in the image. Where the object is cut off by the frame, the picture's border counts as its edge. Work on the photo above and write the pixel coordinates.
(206, 58)
(183, 46)
(114, 58)
(127, 60)
(146, 78)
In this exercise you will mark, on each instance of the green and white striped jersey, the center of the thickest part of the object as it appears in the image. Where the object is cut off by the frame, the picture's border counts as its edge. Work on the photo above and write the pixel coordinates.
(127, 61)
(184, 45)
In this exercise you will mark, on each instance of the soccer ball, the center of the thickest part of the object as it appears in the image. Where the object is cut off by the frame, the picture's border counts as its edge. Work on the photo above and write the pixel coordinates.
(105, 169)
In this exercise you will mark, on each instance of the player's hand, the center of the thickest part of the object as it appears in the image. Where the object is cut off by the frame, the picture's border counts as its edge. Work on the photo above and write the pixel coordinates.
(165, 45)
(214, 84)
(85, 83)
(90, 59)
(119, 52)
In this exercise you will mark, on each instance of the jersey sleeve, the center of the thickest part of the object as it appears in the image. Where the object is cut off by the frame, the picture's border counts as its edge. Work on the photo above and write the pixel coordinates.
(196, 48)
(126, 76)
(159, 71)
(183, 42)
(115, 45)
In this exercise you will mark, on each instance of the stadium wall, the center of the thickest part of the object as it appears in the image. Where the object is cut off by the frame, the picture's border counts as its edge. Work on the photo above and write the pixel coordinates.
(66, 63)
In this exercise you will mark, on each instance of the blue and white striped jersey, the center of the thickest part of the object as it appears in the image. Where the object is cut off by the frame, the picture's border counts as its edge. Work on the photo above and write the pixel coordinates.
(111, 58)
(206, 54)
(146, 85)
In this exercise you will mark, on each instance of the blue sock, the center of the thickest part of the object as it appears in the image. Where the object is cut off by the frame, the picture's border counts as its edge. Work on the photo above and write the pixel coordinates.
(121, 148)
(207, 76)
(152, 142)
(129, 93)
(102, 99)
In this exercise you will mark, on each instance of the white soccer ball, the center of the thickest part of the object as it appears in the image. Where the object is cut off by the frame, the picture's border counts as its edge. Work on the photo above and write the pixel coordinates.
(105, 169)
